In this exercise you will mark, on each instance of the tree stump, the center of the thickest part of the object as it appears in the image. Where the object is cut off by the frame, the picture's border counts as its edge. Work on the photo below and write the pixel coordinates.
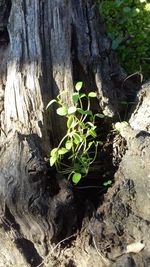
(46, 47)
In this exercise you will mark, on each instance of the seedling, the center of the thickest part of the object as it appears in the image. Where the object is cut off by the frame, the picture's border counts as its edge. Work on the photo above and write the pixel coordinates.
(78, 148)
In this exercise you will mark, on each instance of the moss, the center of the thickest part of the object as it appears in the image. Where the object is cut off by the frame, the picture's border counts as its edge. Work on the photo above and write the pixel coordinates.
(128, 25)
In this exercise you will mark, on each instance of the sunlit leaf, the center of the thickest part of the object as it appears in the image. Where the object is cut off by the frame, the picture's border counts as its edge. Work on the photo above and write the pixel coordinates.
(62, 151)
(147, 7)
(91, 124)
(90, 144)
(82, 95)
(71, 110)
(92, 132)
(71, 122)
(109, 182)
(76, 177)
(92, 94)
(54, 151)
(77, 138)
(68, 144)
(78, 86)
(62, 111)
(53, 159)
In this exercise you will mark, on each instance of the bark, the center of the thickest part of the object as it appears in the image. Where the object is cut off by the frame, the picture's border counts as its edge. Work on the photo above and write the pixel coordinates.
(45, 47)
(124, 217)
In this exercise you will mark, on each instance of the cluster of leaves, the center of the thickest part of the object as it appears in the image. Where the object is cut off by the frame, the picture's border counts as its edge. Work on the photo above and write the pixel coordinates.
(128, 24)
(78, 148)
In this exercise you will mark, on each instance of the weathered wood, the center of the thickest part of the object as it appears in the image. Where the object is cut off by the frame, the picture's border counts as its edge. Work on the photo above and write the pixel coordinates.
(52, 45)
(140, 116)
(124, 218)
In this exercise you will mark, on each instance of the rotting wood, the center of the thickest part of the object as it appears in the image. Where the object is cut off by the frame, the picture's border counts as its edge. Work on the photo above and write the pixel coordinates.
(52, 44)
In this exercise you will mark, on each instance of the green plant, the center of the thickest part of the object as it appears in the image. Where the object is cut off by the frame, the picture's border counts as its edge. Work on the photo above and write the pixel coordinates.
(78, 148)
(107, 183)
(128, 25)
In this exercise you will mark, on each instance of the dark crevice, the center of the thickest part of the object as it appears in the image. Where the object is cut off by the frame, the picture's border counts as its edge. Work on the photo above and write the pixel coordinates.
(26, 32)
(5, 8)
(10, 218)
(89, 192)
(27, 248)
(89, 29)
(4, 17)
(4, 37)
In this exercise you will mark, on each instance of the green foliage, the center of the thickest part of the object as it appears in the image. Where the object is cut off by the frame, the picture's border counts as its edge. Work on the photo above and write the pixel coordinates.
(128, 24)
(78, 148)
(107, 183)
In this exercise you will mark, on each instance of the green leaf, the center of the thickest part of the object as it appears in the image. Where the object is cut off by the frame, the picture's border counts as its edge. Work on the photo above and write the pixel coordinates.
(75, 97)
(50, 103)
(91, 124)
(116, 42)
(118, 3)
(109, 182)
(77, 138)
(99, 115)
(62, 151)
(82, 95)
(71, 110)
(88, 112)
(76, 177)
(90, 144)
(78, 86)
(84, 160)
(124, 103)
(71, 122)
(92, 132)
(62, 111)
(81, 111)
(127, 9)
(100, 143)
(77, 166)
(84, 170)
(68, 144)
(84, 112)
(54, 151)
(92, 94)
(53, 159)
